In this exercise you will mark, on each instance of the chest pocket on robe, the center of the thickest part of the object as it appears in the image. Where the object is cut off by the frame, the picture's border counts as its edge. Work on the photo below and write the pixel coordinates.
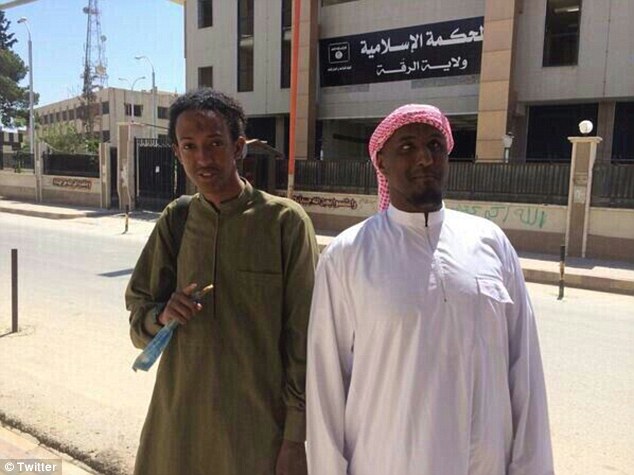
(260, 293)
(493, 299)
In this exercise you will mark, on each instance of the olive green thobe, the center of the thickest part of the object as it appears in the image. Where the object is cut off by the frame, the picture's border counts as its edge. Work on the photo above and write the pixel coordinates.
(230, 384)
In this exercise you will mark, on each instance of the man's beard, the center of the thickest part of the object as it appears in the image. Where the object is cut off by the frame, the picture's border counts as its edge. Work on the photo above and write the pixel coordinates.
(428, 198)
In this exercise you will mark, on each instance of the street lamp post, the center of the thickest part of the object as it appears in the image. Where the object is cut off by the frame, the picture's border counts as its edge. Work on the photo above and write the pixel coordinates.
(31, 114)
(36, 160)
(138, 58)
(507, 141)
(131, 84)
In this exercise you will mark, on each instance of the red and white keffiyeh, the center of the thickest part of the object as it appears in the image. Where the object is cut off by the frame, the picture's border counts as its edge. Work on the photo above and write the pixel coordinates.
(407, 114)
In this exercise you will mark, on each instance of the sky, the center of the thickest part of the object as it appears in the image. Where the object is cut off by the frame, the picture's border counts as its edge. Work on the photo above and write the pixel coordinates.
(152, 28)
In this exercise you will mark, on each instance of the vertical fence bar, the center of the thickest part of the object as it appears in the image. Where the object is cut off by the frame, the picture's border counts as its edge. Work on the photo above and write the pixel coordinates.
(14, 290)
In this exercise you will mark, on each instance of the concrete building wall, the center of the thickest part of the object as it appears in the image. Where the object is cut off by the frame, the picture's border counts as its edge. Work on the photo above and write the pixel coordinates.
(71, 190)
(456, 95)
(217, 46)
(605, 67)
(513, 40)
(116, 98)
(530, 227)
(11, 141)
(17, 186)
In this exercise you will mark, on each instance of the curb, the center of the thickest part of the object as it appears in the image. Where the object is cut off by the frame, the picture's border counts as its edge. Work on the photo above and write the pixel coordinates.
(44, 214)
(588, 282)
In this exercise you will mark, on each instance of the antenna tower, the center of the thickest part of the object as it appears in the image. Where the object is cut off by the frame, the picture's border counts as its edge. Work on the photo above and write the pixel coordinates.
(95, 67)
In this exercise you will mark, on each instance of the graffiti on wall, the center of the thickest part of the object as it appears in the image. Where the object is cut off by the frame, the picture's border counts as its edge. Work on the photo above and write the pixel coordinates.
(72, 183)
(329, 202)
(530, 216)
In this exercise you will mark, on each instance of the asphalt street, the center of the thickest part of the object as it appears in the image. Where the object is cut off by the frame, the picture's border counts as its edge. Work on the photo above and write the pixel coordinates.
(66, 375)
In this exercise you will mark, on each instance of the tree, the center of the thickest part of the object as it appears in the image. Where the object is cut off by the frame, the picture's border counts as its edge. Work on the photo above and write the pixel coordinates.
(6, 39)
(64, 137)
(14, 100)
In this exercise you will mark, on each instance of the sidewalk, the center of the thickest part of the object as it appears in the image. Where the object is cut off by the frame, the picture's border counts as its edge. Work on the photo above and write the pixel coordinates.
(16, 446)
(591, 274)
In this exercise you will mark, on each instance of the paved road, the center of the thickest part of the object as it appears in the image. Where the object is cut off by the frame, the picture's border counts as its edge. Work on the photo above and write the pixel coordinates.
(67, 374)
(588, 351)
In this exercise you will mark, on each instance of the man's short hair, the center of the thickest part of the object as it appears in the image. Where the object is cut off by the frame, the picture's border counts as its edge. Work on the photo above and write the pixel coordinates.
(206, 98)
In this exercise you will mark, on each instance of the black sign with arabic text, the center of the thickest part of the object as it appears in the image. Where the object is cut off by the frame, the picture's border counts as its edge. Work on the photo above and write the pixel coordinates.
(450, 48)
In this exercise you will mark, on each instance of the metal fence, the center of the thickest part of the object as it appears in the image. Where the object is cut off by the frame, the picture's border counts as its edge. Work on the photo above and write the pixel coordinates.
(513, 182)
(66, 164)
(613, 185)
(342, 176)
(17, 161)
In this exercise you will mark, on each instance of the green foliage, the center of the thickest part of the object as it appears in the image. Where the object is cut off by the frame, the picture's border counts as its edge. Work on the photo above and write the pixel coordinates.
(6, 39)
(14, 100)
(64, 137)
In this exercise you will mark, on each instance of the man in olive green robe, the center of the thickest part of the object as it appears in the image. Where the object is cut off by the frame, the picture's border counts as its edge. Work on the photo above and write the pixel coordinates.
(229, 393)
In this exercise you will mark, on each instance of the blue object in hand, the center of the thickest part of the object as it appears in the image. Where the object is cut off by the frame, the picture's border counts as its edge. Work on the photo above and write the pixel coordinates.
(154, 349)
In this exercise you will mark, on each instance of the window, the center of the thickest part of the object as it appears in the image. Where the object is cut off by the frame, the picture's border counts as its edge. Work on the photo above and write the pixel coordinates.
(105, 136)
(204, 14)
(623, 139)
(245, 45)
(105, 109)
(138, 110)
(561, 39)
(206, 77)
(64, 115)
(162, 112)
(550, 126)
(287, 21)
(162, 138)
(128, 108)
(71, 114)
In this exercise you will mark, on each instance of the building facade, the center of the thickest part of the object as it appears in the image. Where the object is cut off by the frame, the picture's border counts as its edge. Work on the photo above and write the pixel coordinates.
(524, 71)
(12, 140)
(112, 106)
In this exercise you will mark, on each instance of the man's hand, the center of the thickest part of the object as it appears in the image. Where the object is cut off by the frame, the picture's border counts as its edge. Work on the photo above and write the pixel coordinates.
(292, 459)
(180, 307)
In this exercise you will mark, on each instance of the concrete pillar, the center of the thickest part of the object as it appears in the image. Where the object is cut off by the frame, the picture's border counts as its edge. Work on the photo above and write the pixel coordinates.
(307, 81)
(104, 175)
(126, 166)
(584, 152)
(495, 102)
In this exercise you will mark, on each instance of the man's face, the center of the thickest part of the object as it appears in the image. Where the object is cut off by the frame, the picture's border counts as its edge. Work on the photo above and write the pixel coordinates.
(414, 161)
(208, 154)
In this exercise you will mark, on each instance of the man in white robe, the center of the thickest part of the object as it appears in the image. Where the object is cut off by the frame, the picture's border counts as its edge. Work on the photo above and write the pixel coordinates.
(423, 357)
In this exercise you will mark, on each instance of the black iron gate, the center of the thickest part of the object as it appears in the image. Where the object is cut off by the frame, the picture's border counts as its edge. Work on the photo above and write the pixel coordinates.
(160, 176)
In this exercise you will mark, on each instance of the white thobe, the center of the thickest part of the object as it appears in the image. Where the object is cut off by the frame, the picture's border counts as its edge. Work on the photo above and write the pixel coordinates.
(423, 356)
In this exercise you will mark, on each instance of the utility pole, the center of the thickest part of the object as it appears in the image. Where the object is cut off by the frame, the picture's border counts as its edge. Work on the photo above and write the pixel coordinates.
(138, 58)
(25, 22)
